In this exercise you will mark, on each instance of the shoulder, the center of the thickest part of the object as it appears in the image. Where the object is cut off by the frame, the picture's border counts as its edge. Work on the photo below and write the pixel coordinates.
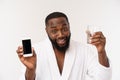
(86, 48)
(78, 44)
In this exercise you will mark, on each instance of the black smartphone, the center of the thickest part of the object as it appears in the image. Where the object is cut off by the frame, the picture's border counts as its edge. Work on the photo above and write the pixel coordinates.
(27, 48)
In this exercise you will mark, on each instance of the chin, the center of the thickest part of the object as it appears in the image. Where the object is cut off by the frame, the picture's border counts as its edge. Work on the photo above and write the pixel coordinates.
(61, 47)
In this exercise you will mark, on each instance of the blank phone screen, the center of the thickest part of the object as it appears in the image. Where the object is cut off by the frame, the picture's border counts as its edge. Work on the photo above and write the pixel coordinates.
(27, 46)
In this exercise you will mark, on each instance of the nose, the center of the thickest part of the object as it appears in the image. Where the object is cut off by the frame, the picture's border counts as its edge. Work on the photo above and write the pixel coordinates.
(60, 34)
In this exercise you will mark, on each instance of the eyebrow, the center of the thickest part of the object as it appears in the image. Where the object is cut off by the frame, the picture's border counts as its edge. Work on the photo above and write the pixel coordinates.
(53, 25)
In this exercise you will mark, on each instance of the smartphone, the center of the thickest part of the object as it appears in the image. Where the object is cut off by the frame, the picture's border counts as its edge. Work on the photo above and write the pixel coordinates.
(27, 48)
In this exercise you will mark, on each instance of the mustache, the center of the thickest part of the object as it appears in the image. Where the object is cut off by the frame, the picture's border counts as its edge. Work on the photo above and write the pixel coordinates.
(61, 48)
(65, 38)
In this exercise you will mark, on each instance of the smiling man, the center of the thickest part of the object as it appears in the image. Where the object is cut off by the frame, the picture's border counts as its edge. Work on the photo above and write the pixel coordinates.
(58, 32)
(60, 58)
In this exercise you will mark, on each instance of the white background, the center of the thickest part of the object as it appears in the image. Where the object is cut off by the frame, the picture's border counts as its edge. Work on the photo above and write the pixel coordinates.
(19, 18)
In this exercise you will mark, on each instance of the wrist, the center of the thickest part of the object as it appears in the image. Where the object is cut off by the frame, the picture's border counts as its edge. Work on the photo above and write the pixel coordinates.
(30, 74)
(103, 59)
(102, 52)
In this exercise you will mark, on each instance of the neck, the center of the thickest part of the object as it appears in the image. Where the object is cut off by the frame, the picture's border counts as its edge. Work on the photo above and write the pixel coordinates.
(59, 51)
(60, 55)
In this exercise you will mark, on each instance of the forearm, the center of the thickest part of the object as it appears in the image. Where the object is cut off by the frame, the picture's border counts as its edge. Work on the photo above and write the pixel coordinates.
(103, 59)
(30, 74)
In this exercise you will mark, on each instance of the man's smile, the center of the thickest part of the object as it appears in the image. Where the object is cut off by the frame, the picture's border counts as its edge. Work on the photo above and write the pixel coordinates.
(61, 42)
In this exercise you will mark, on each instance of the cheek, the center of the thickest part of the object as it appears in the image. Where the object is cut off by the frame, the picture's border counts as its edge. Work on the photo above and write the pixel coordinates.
(68, 34)
(53, 37)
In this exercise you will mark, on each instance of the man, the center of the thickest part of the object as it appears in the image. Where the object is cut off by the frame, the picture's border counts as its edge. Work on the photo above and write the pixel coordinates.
(60, 58)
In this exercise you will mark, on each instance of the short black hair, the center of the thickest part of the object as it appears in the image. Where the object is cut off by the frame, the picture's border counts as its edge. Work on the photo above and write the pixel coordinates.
(55, 15)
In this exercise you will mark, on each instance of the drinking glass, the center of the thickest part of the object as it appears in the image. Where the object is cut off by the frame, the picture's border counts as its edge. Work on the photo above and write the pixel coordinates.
(91, 29)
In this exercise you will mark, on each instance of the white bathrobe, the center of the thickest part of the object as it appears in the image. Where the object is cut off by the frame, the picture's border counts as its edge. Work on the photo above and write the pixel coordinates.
(80, 63)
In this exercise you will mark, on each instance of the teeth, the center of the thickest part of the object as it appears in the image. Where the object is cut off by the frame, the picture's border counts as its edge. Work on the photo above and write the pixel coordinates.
(61, 41)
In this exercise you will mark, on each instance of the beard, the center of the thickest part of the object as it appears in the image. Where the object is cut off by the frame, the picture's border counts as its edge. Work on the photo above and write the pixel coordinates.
(58, 47)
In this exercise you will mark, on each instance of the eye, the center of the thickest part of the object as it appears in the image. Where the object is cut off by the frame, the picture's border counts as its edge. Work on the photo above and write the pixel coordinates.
(54, 31)
(65, 29)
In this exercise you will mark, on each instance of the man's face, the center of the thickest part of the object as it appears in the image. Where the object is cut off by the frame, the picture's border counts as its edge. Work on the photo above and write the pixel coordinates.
(59, 33)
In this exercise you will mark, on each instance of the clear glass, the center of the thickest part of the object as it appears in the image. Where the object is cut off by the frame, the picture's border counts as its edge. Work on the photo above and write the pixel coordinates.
(91, 29)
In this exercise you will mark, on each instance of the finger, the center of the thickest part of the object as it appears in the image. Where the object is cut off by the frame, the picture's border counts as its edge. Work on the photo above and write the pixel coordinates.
(96, 43)
(103, 40)
(96, 36)
(20, 55)
(22, 59)
(102, 36)
(20, 47)
(97, 33)
(19, 51)
(95, 40)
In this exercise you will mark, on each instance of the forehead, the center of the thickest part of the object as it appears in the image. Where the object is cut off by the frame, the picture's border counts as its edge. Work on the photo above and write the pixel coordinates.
(57, 21)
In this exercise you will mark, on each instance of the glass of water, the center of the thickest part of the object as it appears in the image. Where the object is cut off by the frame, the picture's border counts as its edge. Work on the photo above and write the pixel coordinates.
(91, 29)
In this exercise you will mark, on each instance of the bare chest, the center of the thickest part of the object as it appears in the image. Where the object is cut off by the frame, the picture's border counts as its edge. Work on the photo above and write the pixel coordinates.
(60, 61)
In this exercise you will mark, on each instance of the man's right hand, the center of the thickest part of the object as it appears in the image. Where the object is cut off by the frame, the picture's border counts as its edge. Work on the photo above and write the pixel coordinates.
(29, 62)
